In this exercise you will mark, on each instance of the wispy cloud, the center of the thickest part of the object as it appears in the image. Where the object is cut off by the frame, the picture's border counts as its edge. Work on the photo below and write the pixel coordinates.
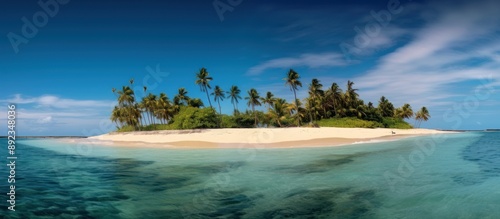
(460, 47)
(57, 102)
(304, 60)
(49, 114)
(387, 37)
(45, 120)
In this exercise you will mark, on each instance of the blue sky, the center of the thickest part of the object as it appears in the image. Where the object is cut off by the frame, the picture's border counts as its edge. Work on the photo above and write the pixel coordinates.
(442, 55)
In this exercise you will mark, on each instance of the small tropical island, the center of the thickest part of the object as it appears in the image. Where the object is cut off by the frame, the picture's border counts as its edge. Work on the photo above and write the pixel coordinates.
(322, 108)
(339, 116)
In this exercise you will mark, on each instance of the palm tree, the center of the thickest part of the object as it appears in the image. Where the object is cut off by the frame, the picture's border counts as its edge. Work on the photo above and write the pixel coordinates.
(182, 96)
(203, 80)
(335, 95)
(293, 81)
(135, 113)
(314, 102)
(398, 113)
(126, 96)
(151, 107)
(290, 109)
(176, 106)
(310, 108)
(268, 100)
(301, 112)
(219, 95)
(162, 111)
(315, 88)
(117, 116)
(149, 103)
(405, 112)
(351, 96)
(196, 102)
(253, 100)
(131, 110)
(385, 107)
(278, 111)
(234, 93)
(351, 92)
(141, 105)
(359, 109)
(422, 115)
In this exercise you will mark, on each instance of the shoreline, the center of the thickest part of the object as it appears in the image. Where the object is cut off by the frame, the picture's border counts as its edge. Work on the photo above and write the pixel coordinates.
(253, 138)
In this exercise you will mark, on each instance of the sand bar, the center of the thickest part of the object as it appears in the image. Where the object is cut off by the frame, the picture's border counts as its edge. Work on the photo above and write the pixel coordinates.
(256, 137)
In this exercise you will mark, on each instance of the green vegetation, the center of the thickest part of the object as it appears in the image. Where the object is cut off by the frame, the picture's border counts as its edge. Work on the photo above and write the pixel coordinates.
(126, 128)
(330, 107)
(422, 115)
(239, 120)
(395, 123)
(293, 81)
(194, 118)
(349, 122)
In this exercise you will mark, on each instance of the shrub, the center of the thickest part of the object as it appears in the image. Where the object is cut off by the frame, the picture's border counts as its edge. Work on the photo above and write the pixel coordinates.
(348, 122)
(229, 122)
(126, 128)
(156, 127)
(396, 123)
(239, 120)
(194, 118)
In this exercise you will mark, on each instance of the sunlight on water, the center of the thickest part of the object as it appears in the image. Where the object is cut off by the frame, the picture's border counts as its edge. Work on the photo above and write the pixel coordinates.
(458, 178)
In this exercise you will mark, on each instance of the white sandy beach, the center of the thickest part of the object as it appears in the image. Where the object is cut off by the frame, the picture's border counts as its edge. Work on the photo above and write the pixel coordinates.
(262, 137)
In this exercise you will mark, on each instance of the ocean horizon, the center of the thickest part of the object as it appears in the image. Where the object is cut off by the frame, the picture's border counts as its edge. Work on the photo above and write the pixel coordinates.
(458, 177)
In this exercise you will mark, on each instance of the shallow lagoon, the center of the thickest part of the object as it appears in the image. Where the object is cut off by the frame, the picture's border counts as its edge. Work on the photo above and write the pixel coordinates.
(459, 178)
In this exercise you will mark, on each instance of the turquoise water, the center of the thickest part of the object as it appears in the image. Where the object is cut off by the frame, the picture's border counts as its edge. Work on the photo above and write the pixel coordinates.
(458, 178)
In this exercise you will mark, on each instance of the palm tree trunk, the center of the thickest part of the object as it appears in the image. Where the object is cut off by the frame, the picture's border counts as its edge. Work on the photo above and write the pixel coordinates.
(140, 122)
(220, 115)
(149, 117)
(208, 97)
(152, 120)
(220, 110)
(324, 111)
(334, 109)
(255, 115)
(296, 106)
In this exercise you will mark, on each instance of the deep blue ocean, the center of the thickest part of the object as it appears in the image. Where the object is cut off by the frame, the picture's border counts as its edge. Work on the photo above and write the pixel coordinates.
(444, 176)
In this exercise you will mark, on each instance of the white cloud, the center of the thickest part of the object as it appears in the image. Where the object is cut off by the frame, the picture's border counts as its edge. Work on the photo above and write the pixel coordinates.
(45, 120)
(460, 47)
(307, 60)
(387, 37)
(56, 102)
(52, 115)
